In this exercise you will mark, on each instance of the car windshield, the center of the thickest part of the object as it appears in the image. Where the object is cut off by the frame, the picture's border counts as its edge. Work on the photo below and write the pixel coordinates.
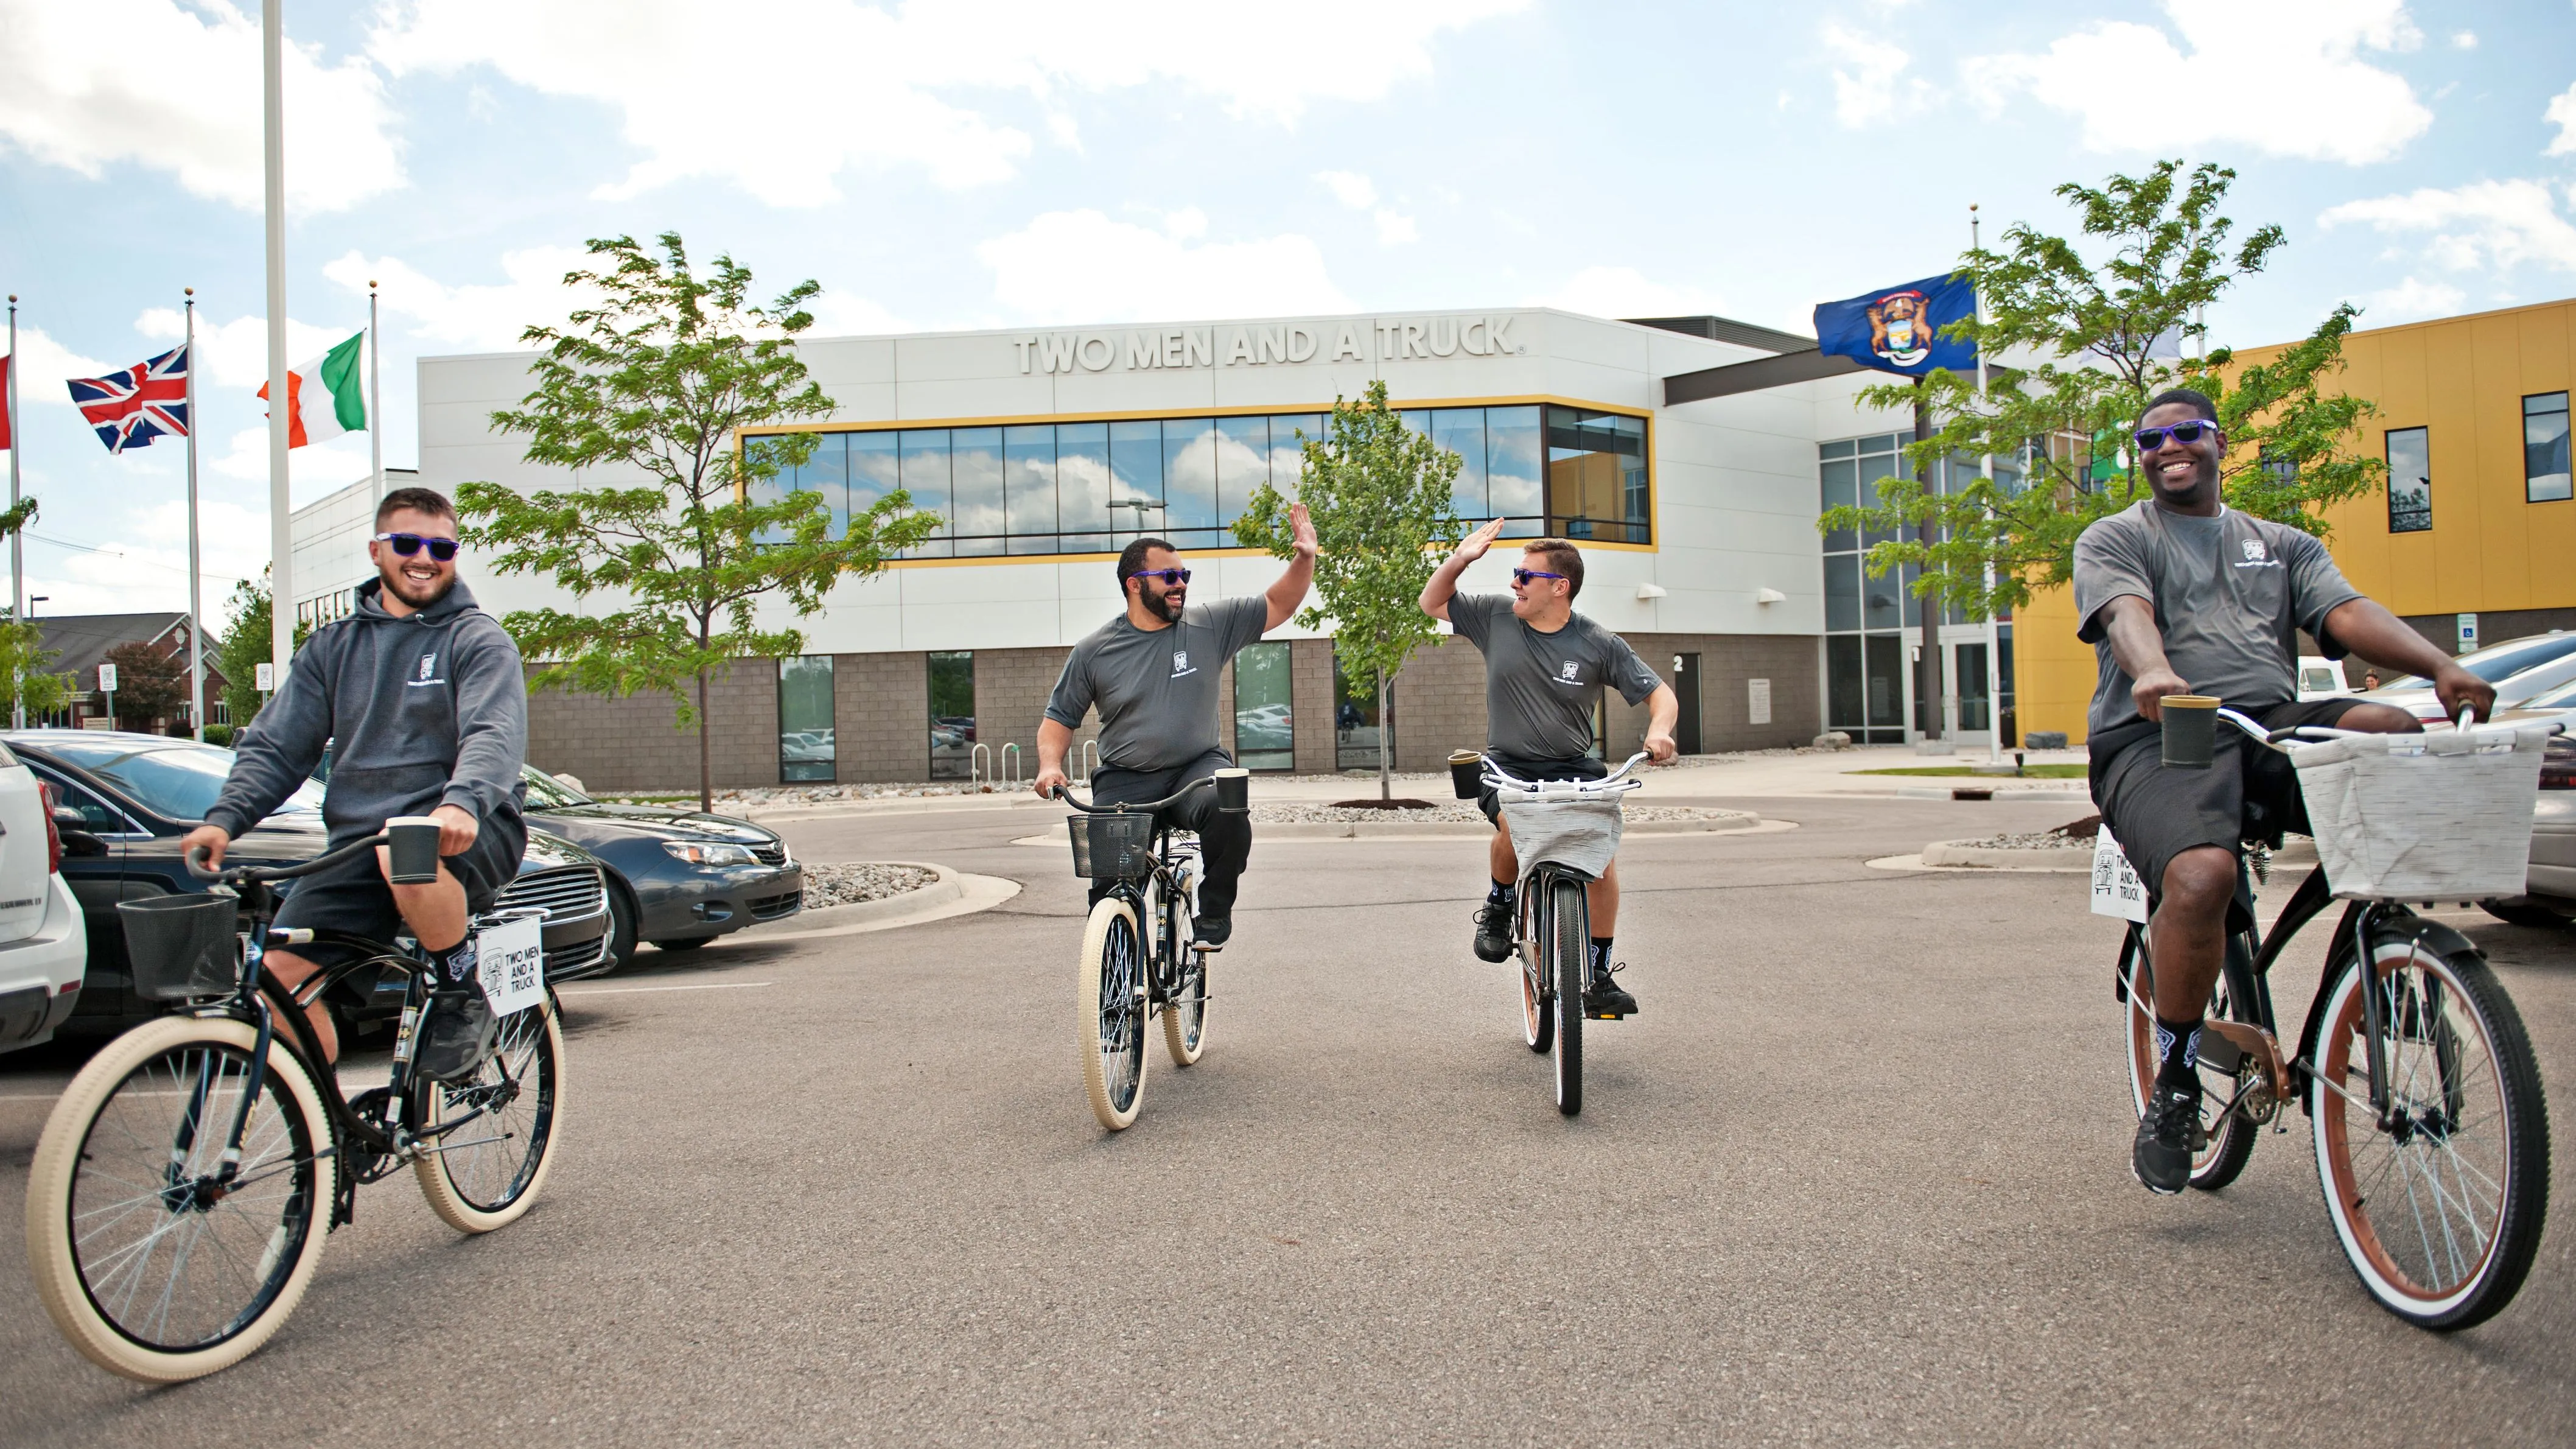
(545, 792)
(177, 781)
(2563, 697)
(2504, 661)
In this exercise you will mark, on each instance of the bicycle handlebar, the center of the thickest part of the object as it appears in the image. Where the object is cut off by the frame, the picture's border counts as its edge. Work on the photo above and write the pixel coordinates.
(245, 874)
(2274, 738)
(1133, 807)
(1617, 782)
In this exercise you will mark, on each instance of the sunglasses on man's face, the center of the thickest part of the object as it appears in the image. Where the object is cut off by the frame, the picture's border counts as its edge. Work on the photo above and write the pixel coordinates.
(2150, 439)
(1172, 578)
(407, 544)
(1523, 576)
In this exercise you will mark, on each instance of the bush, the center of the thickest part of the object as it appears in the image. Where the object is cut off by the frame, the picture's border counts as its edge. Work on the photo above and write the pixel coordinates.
(219, 734)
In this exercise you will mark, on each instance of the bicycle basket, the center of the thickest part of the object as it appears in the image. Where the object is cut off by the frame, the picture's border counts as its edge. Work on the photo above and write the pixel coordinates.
(2439, 816)
(183, 945)
(1112, 847)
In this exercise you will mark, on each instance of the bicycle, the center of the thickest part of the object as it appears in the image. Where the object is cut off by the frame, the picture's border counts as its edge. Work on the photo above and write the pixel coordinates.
(173, 1198)
(1554, 923)
(1139, 959)
(2430, 1130)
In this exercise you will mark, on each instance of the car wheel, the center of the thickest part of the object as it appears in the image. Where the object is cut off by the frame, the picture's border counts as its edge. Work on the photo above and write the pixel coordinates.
(622, 940)
(688, 945)
(2524, 913)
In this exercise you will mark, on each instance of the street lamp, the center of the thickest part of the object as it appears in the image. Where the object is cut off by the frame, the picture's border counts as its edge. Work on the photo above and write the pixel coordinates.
(32, 601)
(1140, 505)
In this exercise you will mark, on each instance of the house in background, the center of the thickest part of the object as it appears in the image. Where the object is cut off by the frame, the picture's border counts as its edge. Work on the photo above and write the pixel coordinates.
(82, 641)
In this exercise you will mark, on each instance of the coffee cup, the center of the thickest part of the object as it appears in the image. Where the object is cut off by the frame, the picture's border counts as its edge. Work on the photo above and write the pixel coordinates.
(1234, 791)
(1466, 773)
(2190, 730)
(412, 842)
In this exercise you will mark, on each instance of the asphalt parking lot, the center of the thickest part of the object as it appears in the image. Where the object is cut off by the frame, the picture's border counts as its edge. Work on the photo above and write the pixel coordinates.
(1858, 1174)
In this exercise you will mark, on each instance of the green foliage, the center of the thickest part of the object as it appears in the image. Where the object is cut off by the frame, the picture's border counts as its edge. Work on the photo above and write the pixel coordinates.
(2062, 423)
(1378, 494)
(660, 380)
(24, 678)
(219, 734)
(149, 685)
(243, 646)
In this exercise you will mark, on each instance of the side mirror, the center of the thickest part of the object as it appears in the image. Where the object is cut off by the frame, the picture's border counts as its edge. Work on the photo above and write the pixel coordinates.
(82, 844)
(67, 818)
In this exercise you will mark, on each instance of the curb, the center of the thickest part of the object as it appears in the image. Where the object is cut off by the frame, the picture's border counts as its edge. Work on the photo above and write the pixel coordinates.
(947, 887)
(955, 893)
(1961, 853)
(1984, 790)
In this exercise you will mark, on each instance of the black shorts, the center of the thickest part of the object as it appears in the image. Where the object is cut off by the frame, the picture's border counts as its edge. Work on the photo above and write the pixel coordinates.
(352, 896)
(1581, 767)
(2247, 793)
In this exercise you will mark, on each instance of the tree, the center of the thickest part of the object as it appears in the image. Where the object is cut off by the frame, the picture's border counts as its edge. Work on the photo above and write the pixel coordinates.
(149, 684)
(660, 379)
(24, 678)
(2106, 336)
(1379, 497)
(244, 644)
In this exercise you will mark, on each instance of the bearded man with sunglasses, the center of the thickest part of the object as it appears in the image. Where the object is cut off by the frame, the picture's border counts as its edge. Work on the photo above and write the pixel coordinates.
(1544, 665)
(1153, 671)
(2181, 594)
(421, 696)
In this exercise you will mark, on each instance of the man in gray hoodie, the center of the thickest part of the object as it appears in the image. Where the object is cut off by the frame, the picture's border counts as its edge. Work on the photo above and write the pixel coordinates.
(425, 697)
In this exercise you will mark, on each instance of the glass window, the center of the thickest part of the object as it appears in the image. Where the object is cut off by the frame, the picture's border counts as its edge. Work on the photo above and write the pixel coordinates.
(828, 473)
(1136, 479)
(1288, 451)
(952, 715)
(1462, 431)
(1082, 489)
(2410, 481)
(1886, 689)
(1874, 470)
(2545, 477)
(1842, 449)
(875, 469)
(177, 781)
(1356, 721)
(1189, 482)
(1512, 463)
(1846, 696)
(976, 490)
(1842, 591)
(1881, 607)
(1972, 686)
(925, 477)
(805, 718)
(1242, 465)
(1841, 482)
(1028, 492)
(1596, 475)
(1265, 736)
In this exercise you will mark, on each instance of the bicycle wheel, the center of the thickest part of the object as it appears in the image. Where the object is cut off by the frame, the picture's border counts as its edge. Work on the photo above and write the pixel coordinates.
(1185, 1014)
(1112, 1023)
(1573, 944)
(2440, 1212)
(146, 1263)
(502, 1126)
(2231, 1134)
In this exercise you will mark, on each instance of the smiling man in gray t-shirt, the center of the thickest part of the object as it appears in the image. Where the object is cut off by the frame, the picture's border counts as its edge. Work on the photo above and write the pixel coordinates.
(1152, 673)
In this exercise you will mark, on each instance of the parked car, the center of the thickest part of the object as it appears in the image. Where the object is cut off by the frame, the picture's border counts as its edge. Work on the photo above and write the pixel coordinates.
(124, 800)
(1264, 727)
(2520, 669)
(2320, 678)
(677, 878)
(2551, 885)
(44, 940)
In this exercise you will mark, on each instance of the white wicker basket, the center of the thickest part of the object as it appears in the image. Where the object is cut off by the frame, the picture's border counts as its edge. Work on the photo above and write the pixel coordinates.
(2424, 817)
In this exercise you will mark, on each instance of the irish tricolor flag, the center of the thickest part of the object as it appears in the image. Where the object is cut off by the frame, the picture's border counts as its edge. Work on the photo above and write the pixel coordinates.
(325, 397)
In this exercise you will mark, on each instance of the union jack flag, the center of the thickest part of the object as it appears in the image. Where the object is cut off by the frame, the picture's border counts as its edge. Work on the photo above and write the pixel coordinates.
(143, 402)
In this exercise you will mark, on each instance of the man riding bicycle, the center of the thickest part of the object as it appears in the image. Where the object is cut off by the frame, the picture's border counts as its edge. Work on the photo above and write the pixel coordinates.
(2181, 594)
(422, 696)
(1153, 672)
(1543, 665)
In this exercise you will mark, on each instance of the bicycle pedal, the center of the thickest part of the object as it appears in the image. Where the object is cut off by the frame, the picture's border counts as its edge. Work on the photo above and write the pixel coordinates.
(1607, 1015)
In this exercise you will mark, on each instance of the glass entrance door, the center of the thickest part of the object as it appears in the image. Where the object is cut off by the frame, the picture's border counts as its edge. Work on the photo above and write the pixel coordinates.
(1265, 736)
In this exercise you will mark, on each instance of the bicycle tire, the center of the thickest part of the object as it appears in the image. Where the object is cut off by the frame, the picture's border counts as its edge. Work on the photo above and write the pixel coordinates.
(254, 1282)
(1570, 933)
(2231, 1136)
(1112, 1012)
(1185, 1013)
(1538, 1020)
(476, 1183)
(2447, 1017)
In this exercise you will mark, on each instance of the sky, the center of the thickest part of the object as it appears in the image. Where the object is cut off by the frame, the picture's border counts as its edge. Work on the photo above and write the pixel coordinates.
(1014, 163)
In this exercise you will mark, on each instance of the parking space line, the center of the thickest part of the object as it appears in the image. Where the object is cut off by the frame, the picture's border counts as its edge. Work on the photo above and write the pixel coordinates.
(635, 990)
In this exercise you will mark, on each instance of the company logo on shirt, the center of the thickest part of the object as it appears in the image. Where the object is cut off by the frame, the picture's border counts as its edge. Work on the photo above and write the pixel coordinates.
(428, 671)
(1572, 673)
(2254, 556)
(1181, 663)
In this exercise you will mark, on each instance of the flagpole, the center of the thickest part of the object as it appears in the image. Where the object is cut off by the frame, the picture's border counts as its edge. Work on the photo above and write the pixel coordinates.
(281, 525)
(196, 614)
(1986, 471)
(17, 548)
(375, 393)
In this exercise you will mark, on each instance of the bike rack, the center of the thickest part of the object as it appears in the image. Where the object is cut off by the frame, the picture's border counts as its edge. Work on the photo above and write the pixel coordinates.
(1087, 761)
(979, 769)
(1011, 764)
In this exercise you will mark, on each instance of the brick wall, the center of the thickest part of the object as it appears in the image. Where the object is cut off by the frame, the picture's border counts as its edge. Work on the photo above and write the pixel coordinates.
(1726, 663)
(880, 717)
(1310, 686)
(1011, 689)
(631, 743)
(1439, 705)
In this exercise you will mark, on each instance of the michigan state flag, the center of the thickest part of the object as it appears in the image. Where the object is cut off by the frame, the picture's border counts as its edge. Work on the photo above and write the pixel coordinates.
(1899, 329)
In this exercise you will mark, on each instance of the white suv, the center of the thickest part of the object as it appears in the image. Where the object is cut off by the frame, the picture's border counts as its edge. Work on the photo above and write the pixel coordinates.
(44, 946)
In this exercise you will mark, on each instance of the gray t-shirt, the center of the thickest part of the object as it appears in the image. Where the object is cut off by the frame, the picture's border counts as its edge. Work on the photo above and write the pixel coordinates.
(2230, 595)
(1539, 687)
(1156, 689)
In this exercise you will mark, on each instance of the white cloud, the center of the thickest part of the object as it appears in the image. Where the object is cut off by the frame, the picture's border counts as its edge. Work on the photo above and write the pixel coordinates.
(146, 566)
(2485, 224)
(2410, 300)
(2284, 77)
(886, 104)
(1394, 228)
(312, 470)
(2464, 40)
(2562, 114)
(485, 317)
(846, 314)
(235, 353)
(42, 364)
(1350, 188)
(1080, 266)
(1626, 292)
(1870, 83)
(177, 88)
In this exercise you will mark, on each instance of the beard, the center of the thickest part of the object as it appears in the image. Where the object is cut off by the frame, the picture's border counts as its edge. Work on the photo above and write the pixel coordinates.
(1166, 605)
(417, 593)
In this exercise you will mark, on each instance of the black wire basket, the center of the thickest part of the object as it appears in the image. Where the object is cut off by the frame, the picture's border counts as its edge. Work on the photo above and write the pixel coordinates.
(183, 946)
(1112, 847)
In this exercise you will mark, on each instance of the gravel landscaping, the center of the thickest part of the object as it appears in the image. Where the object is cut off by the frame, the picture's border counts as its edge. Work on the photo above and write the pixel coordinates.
(1446, 810)
(2041, 840)
(848, 885)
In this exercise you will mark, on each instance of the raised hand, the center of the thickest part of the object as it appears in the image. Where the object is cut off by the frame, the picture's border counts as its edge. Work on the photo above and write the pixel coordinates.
(1473, 546)
(1301, 530)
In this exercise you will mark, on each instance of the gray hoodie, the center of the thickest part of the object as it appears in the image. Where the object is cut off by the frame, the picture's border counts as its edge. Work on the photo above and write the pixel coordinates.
(428, 709)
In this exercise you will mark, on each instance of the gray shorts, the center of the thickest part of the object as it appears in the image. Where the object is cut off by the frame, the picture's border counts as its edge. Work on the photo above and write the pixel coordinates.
(353, 897)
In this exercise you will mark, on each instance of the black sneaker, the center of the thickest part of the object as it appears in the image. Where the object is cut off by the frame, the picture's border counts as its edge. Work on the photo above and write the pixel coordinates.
(2167, 1137)
(455, 1035)
(1605, 997)
(1211, 931)
(1494, 931)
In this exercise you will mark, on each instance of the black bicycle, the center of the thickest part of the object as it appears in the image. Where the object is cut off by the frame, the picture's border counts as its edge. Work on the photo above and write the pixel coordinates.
(2431, 1131)
(1138, 956)
(177, 1205)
